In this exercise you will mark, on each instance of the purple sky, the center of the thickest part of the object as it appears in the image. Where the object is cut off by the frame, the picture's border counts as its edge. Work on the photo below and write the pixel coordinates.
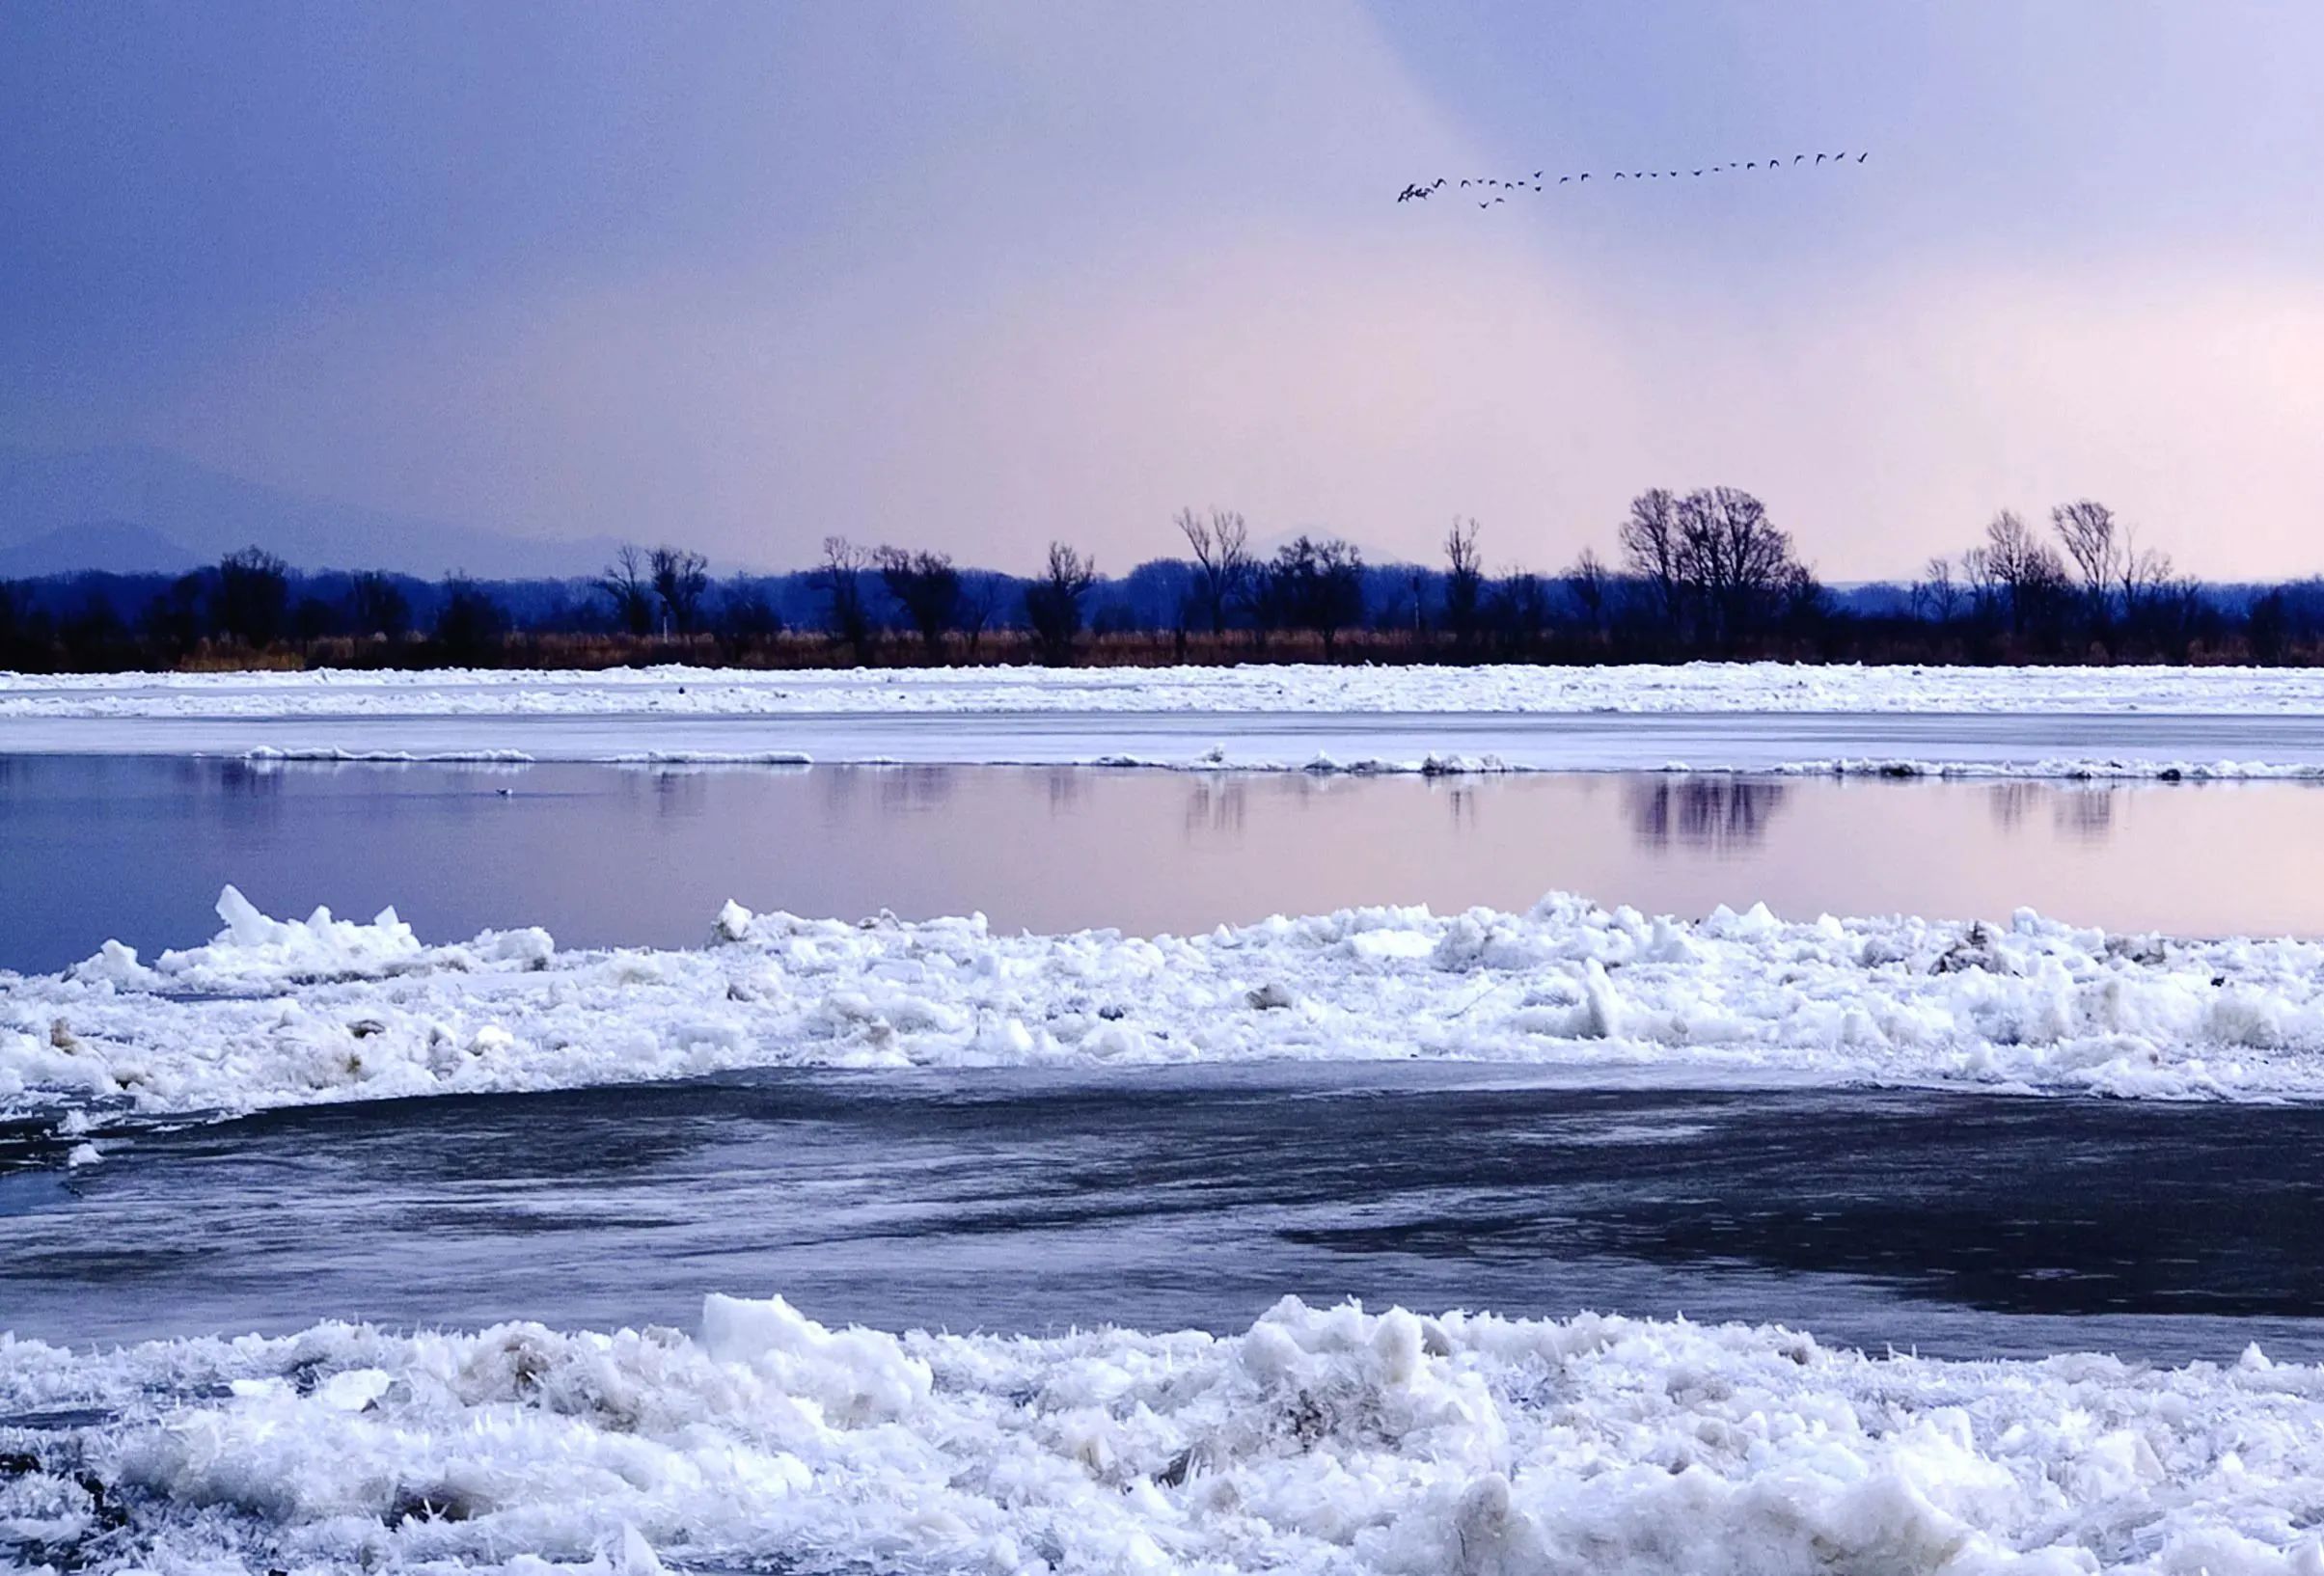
(974, 276)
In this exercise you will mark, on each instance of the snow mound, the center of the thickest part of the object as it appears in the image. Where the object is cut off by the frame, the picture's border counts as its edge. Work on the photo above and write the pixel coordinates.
(291, 1012)
(1329, 1439)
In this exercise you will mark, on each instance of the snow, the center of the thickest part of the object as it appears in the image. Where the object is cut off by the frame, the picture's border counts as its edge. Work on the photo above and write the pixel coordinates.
(2056, 722)
(292, 1012)
(1322, 1439)
(1693, 687)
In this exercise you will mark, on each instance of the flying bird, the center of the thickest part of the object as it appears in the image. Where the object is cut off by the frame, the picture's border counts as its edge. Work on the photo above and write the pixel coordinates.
(1821, 157)
(1562, 179)
(1796, 157)
(1861, 157)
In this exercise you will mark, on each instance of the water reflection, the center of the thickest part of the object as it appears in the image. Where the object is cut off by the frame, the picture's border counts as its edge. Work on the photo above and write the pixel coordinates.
(2077, 811)
(137, 849)
(1725, 815)
(1216, 806)
(913, 788)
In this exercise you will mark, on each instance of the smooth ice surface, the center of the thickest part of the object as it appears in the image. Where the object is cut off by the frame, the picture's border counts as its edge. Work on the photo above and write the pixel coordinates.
(278, 1012)
(1319, 1439)
(2039, 722)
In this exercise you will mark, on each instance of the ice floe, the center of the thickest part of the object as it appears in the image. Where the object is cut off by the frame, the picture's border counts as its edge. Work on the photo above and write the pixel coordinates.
(276, 1012)
(1321, 1439)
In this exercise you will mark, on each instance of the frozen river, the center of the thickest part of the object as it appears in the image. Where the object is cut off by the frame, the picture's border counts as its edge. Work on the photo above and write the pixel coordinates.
(1193, 1197)
(1042, 1200)
(137, 848)
(1544, 741)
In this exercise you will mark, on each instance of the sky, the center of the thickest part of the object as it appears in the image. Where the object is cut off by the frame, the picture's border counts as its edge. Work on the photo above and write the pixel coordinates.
(974, 276)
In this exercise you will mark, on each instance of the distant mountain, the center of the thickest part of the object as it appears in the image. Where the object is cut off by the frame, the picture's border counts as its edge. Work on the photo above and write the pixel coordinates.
(61, 508)
(116, 546)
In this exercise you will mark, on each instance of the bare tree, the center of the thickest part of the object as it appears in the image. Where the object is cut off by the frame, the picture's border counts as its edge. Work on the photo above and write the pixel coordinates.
(253, 594)
(1463, 582)
(2148, 580)
(2094, 545)
(1936, 595)
(628, 584)
(1589, 587)
(377, 605)
(1521, 612)
(840, 580)
(1652, 552)
(979, 606)
(2027, 569)
(1316, 585)
(1733, 562)
(1984, 584)
(469, 622)
(746, 614)
(1223, 560)
(927, 588)
(680, 579)
(1053, 603)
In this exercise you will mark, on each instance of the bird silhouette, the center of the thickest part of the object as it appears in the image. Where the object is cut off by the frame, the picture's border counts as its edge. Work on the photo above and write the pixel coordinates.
(1439, 182)
(1861, 157)
(1585, 175)
(1464, 185)
(1796, 157)
(1485, 204)
(1821, 157)
(1562, 179)
(1698, 171)
(1500, 199)
(1537, 175)
(1617, 175)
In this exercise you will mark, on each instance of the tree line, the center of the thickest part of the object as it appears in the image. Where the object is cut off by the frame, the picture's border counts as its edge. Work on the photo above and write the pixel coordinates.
(1704, 573)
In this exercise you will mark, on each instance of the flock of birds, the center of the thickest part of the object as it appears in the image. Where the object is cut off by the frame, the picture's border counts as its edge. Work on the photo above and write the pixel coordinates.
(1540, 180)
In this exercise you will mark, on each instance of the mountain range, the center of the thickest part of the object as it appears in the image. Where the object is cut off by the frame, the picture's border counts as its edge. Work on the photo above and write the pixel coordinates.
(133, 508)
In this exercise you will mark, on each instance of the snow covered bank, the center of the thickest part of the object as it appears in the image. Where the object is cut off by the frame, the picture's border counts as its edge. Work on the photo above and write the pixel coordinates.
(2022, 721)
(275, 1013)
(2052, 769)
(1693, 686)
(1320, 1440)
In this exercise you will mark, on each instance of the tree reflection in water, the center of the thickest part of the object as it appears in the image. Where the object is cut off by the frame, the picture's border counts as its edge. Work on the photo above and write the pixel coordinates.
(2083, 812)
(1218, 805)
(1721, 814)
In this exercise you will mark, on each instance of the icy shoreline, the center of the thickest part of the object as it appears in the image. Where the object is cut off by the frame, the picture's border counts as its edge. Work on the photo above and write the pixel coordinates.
(1320, 1440)
(1219, 759)
(1252, 688)
(2164, 723)
(283, 1013)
